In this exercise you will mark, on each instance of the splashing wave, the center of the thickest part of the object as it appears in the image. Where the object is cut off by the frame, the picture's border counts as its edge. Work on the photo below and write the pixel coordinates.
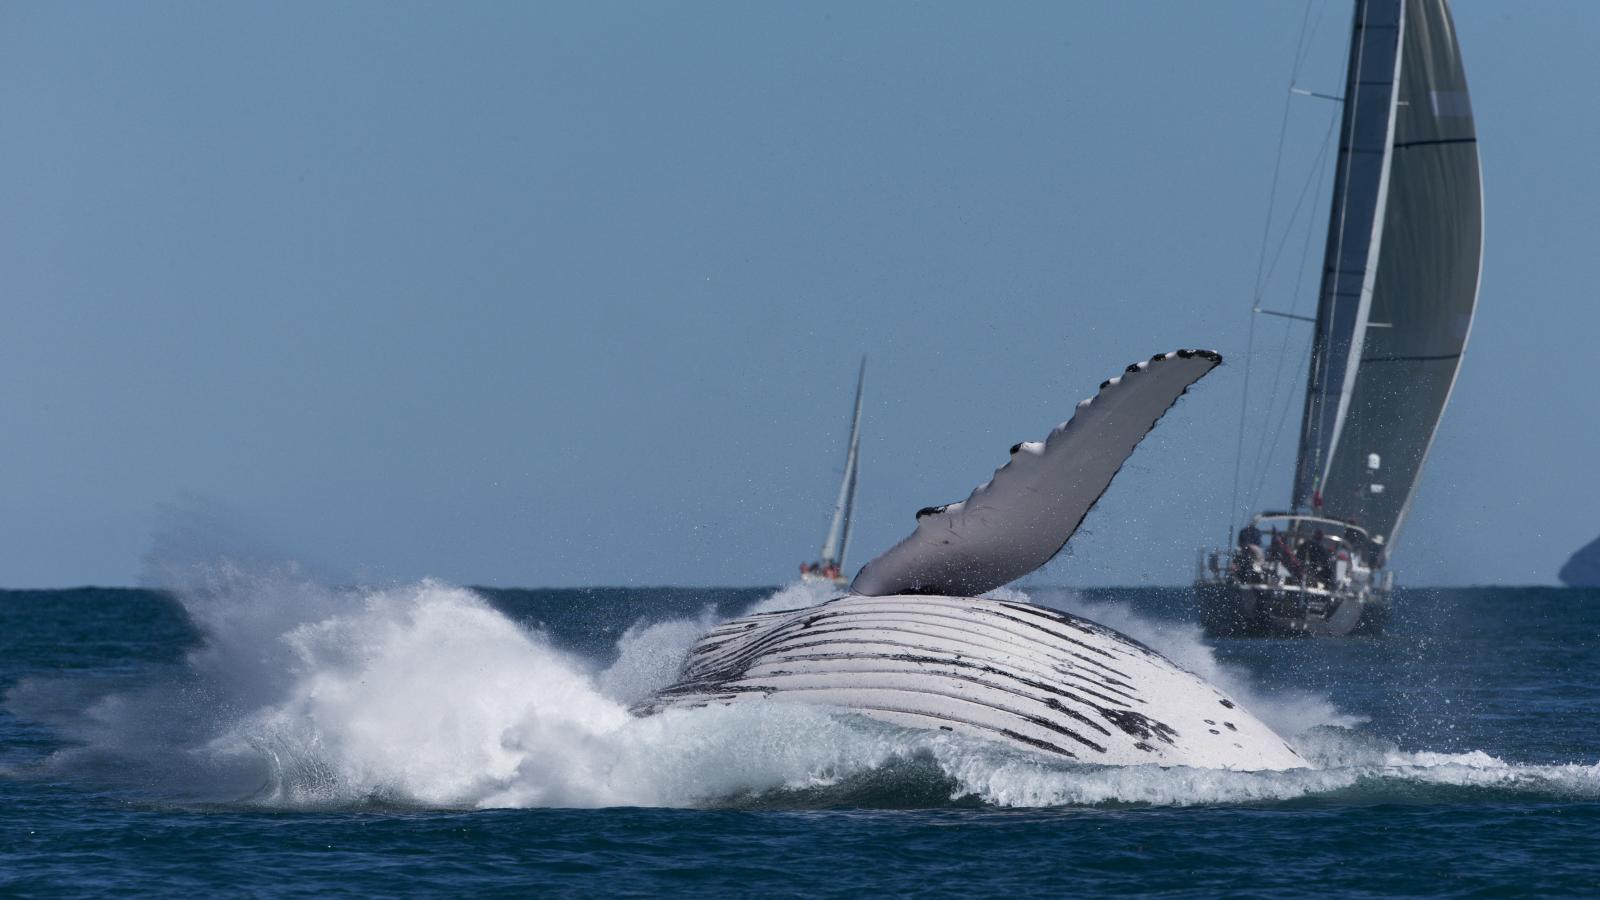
(426, 695)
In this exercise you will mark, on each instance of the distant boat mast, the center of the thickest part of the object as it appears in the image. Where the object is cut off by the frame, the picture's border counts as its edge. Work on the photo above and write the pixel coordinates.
(838, 540)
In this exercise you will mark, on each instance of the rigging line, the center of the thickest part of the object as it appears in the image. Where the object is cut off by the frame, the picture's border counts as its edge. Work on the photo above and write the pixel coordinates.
(1320, 172)
(1264, 465)
(1244, 414)
(1302, 46)
(1283, 419)
(1316, 174)
(1311, 37)
(1255, 300)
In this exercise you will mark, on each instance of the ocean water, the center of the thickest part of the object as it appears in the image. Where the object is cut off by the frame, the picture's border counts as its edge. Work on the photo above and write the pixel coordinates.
(257, 732)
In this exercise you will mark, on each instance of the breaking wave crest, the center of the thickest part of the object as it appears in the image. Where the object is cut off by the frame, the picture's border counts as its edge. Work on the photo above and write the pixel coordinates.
(425, 695)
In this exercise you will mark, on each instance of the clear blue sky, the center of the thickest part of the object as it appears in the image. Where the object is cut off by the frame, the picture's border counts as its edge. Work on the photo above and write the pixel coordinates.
(558, 294)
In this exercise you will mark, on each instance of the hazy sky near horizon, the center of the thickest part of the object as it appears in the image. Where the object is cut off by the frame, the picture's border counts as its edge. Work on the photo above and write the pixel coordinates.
(573, 293)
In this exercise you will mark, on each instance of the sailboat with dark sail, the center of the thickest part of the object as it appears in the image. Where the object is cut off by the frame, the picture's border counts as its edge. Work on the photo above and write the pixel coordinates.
(830, 567)
(1399, 289)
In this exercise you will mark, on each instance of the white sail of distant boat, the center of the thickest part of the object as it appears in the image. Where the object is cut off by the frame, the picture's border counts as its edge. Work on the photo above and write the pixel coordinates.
(834, 547)
(1398, 292)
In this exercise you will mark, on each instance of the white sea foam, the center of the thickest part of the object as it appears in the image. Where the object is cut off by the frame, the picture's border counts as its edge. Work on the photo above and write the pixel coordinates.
(1023, 783)
(424, 694)
(798, 595)
(649, 656)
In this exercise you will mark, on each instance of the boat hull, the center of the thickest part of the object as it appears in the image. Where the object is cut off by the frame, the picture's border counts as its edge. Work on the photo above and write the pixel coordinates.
(1243, 610)
(815, 578)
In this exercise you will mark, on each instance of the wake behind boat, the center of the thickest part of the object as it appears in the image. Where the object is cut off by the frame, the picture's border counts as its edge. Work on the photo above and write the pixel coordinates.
(1399, 289)
(911, 646)
(830, 567)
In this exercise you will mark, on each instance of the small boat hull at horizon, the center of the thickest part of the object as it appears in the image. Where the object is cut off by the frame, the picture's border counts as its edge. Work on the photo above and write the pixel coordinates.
(819, 578)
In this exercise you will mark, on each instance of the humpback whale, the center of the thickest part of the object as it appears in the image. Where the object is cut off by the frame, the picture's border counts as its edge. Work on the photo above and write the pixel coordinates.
(912, 645)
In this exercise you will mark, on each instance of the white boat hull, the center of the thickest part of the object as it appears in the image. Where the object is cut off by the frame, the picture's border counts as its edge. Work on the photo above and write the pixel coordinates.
(817, 578)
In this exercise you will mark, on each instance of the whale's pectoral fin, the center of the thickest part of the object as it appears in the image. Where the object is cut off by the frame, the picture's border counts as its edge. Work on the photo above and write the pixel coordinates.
(1028, 511)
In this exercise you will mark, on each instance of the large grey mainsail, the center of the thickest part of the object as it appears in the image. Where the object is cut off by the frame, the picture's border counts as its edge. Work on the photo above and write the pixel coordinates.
(837, 543)
(1423, 287)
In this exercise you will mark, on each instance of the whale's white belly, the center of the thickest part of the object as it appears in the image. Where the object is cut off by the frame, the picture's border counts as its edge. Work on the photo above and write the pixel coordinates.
(1024, 675)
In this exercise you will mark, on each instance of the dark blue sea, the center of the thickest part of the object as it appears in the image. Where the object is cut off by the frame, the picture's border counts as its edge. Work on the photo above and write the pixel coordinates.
(262, 734)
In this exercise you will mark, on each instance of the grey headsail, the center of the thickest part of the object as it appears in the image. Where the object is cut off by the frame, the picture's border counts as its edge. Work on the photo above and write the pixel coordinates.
(1025, 514)
(837, 544)
(1424, 289)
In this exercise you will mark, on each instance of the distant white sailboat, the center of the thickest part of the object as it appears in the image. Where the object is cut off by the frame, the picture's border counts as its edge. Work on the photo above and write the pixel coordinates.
(830, 567)
(1398, 293)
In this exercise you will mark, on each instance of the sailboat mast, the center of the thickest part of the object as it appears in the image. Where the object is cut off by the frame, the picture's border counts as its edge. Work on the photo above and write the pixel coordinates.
(838, 540)
(1355, 233)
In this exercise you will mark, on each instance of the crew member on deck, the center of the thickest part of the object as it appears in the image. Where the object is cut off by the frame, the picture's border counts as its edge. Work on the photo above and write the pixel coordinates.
(1316, 555)
(1280, 553)
(1247, 560)
(1250, 536)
